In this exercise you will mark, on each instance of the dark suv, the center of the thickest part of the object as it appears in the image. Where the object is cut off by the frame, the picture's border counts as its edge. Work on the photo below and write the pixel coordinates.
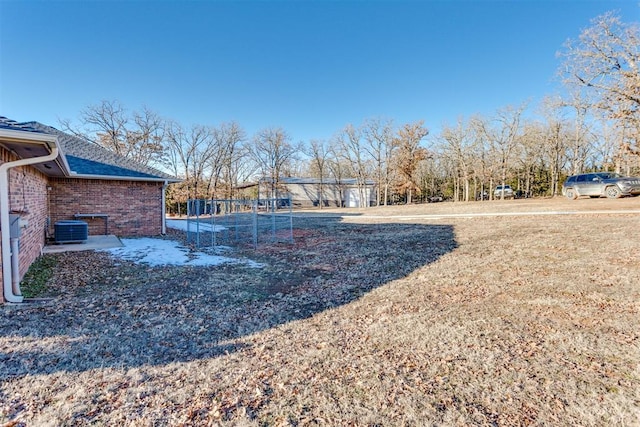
(599, 184)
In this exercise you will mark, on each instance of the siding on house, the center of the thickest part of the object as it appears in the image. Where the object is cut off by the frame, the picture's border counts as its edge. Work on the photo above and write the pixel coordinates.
(305, 192)
(308, 194)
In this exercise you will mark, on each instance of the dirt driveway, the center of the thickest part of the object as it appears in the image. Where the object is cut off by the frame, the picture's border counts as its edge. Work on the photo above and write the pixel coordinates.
(418, 315)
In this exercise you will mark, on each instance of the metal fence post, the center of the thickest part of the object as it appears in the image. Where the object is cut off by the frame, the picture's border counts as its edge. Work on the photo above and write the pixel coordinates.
(290, 221)
(254, 214)
(188, 221)
(212, 212)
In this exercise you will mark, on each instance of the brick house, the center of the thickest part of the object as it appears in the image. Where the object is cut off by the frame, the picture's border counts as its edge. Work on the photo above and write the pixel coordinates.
(48, 176)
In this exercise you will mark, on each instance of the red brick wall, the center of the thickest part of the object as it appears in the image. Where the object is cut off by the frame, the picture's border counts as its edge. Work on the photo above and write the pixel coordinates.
(133, 207)
(28, 198)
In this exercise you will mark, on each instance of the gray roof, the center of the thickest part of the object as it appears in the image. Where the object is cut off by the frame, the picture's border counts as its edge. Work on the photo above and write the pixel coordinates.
(8, 124)
(87, 158)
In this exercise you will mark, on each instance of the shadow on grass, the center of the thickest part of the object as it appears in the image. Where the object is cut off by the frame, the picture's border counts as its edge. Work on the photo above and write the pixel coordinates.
(126, 315)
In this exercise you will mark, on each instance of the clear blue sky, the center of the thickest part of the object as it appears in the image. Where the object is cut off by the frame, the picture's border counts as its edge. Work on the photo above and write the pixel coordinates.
(309, 67)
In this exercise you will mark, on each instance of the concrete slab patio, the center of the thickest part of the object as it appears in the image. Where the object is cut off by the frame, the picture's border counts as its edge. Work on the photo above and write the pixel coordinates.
(93, 242)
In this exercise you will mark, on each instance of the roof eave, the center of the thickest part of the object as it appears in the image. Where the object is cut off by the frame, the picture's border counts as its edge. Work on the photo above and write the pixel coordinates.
(28, 137)
(49, 140)
(123, 178)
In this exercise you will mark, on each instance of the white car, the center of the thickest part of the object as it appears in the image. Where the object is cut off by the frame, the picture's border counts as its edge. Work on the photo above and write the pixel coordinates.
(501, 190)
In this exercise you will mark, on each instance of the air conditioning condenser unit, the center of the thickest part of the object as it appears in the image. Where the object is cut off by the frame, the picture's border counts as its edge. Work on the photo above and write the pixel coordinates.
(71, 231)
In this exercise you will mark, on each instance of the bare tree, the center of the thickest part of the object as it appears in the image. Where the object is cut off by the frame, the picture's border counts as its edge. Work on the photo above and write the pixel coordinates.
(580, 142)
(604, 61)
(272, 149)
(431, 175)
(556, 141)
(338, 168)
(408, 155)
(145, 140)
(319, 153)
(137, 136)
(379, 145)
(503, 138)
(530, 152)
(188, 154)
(457, 144)
(352, 150)
(226, 163)
(484, 163)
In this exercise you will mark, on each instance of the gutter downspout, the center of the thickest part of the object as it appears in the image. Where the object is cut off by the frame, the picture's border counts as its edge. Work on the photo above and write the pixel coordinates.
(7, 287)
(164, 208)
(15, 266)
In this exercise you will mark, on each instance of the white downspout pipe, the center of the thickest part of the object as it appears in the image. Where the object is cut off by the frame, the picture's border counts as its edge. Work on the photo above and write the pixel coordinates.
(15, 266)
(7, 275)
(164, 208)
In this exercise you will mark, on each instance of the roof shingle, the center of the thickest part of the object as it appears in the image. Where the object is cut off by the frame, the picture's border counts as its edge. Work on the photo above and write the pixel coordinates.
(9, 124)
(87, 158)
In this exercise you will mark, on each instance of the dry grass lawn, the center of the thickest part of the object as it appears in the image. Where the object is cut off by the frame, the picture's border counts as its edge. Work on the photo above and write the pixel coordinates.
(385, 317)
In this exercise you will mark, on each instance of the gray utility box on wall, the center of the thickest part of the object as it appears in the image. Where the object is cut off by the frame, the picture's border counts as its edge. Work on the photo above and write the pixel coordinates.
(68, 231)
(14, 222)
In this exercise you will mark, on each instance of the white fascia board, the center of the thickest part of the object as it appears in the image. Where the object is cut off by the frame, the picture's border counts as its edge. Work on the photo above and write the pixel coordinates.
(122, 178)
(28, 137)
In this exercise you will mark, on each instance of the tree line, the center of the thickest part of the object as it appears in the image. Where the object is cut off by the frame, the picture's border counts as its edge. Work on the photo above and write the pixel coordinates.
(594, 125)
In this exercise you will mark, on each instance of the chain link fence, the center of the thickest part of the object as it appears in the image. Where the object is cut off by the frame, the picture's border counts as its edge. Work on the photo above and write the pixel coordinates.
(237, 222)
